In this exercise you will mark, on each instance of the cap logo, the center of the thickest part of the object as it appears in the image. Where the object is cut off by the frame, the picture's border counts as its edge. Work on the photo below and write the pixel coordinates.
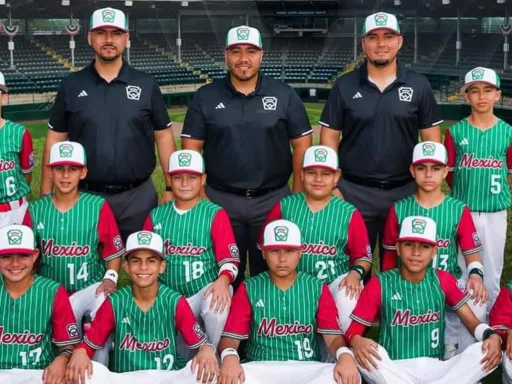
(108, 15)
(144, 238)
(418, 226)
(320, 155)
(66, 150)
(281, 233)
(477, 74)
(429, 149)
(381, 19)
(184, 159)
(14, 237)
(243, 33)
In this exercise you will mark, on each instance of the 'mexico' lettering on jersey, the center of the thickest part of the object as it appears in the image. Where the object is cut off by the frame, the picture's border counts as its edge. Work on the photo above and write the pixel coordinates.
(188, 250)
(272, 329)
(7, 165)
(130, 343)
(319, 249)
(406, 319)
(74, 249)
(468, 161)
(25, 338)
(443, 243)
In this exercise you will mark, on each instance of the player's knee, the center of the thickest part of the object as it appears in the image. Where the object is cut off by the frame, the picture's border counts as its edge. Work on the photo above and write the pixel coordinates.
(475, 350)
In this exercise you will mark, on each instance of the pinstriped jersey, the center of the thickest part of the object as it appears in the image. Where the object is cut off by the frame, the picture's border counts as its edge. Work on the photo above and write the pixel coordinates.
(412, 315)
(75, 245)
(30, 324)
(196, 244)
(16, 158)
(281, 325)
(334, 238)
(455, 228)
(480, 161)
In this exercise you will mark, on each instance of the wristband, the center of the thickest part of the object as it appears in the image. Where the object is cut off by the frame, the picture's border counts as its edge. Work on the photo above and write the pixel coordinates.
(111, 275)
(476, 271)
(231, 268)
(480, 330)
(359, 269)
(488, 333)
(168, 188)
(229, 352)
(476, 265)
(341, 350)
(67, 352)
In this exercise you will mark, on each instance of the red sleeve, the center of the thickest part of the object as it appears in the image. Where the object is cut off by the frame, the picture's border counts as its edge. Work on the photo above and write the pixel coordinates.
(108, 234)
(223, 239)
(148, 224)
(369, 303)
(274, 214)
(187, 325)
(391, 232)
(327, 314)
(509, 159)
(101, 327)
(500, 317)
(64, 328)
(467, 236)
(358, 245)
(27, 159)
(452, 154)
(27, 219)
(354, 328)
(455, 297)
(238, 324)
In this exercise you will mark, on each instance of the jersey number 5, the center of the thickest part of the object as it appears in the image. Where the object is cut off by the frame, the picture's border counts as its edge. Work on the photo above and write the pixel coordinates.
(495, 184)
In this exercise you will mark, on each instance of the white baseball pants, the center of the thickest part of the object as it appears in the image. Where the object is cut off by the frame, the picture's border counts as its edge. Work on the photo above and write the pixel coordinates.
(344, 303)
(15, 215)
(506, 366)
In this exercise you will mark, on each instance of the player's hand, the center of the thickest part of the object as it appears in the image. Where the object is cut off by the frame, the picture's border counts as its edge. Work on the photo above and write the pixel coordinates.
(492, 349)
(353, 285)
(221, 299)
(206, 363)
(166, 197)
(477, 289)
(55, 373)
(365, 351)
(107, 287)
(78, 365)
(345, 371)
(231, 371)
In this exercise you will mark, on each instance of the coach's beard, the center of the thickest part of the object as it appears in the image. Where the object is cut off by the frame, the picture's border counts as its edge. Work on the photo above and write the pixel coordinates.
(381, 63)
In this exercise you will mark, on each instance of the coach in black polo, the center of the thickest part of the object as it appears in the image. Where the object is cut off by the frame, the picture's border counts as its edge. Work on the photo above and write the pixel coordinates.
(379, 109)
(244, 125)
(117, 113)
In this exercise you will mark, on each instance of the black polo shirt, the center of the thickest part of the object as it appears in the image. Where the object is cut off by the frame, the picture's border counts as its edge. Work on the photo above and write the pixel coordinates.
(379, 129)
(115, 122)
(247, 138)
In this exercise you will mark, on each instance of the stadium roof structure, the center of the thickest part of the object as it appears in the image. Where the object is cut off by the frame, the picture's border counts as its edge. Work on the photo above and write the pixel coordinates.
(33, 9)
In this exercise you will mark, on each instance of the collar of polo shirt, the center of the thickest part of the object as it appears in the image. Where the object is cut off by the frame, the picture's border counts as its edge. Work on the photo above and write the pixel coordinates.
(230, 86)
(400, 73)
(123, 76)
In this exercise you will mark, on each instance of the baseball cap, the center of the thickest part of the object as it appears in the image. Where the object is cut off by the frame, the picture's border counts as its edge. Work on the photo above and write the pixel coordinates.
(108, 17)
(380, 20)
(3, 86)
(429, 152)
(16, 239)
(281, 234)
(481, 75)
(244, 35)
(418, 228)
(320, 156)
(144, 240)
(186, 161)
(67, 153)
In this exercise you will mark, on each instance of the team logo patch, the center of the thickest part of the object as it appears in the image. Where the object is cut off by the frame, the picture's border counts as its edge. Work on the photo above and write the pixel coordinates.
(108, 15)
(281, 233)
(320, 155)
(118, 243)
(477, 74)
(184, 159)
(369, 251)
(144, 238)
(243, 33)
(405, 94)
(269, 103)
(72, 330)
(133, 92)
(14, 237)
(429, 149)
(233, 251)
(198, 330)
(66, 150)
(419, 226)
(31, 159)
(381, 19)
(476, 239)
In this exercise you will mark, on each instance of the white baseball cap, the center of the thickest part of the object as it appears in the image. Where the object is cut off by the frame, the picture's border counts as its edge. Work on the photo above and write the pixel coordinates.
(144, 240)
(481, 75)
(16, 239)
(418, 228)
(67, 153)
(429, 152)
(244, 35)
(320, 156)
(108, 18)
(186, 161)
(381, 20)
(281, 234)
(3, 85)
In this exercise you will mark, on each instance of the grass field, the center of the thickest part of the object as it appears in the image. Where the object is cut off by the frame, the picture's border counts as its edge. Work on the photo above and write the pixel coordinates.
(38, 131)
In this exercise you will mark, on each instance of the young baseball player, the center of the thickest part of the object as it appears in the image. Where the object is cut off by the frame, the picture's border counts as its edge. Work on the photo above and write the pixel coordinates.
(16, 164)
(77, 235)
(411, 303)
(199, 245)
(455, 229)
(335, 246)
(144, 318)
(35, 313)
(480, 159)
(500, 318)
(280, 312)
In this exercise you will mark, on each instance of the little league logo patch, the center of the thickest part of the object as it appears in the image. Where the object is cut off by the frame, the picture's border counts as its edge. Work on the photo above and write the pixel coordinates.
(118, 243)
(429, 149)
(418, 226)
(381, 19)
(269, 103)
(320, 155)
(72, 330)
(369, 251)
(14, 237)
(198, 331)
(476, 239)
(233, 251)
(184, 159)
(65, 150)
(32, 159)
(108, 16)
(133, 92)
(243, 33)
(144, 238)
(477, 74)
(281, 233)
(405, 94)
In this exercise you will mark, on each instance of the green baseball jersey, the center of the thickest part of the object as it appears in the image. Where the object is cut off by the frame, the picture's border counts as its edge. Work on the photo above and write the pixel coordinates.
(412, 315)
(196, 243)
(74, 245)
(334, 238)
(455, 228)
(480, 161)
(16, 158)
(30, 324)
(144, 340)
(281, 325)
